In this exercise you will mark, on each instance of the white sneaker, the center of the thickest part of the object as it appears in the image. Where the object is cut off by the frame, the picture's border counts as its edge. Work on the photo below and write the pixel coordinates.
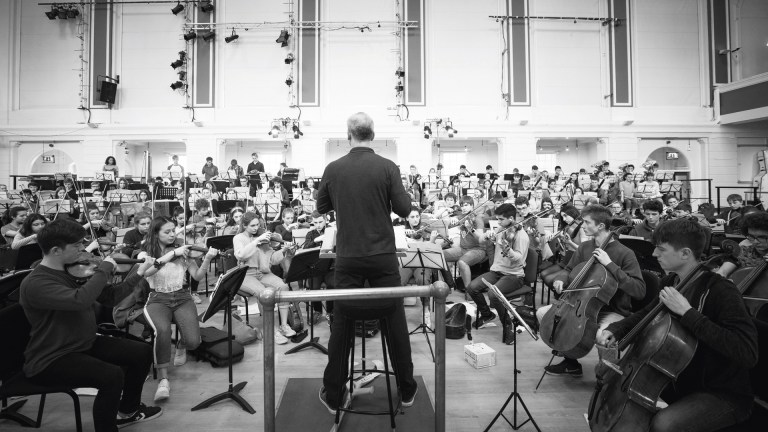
(163, 390)
(280, 339)
(196, 298)
(180, 357)
(287, 331)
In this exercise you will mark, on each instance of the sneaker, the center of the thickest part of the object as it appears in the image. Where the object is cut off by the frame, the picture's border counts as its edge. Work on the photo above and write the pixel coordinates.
(508, 334)
(163, 390)
(144, 413)
(408, 401)
(196, 298)
(324, 400)
(565, 367)
(287, 331)
(180, 357)
(280, 339)
(483, 320)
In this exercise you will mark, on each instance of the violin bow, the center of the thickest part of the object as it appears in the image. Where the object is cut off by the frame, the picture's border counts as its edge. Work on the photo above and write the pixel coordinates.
(87, 218)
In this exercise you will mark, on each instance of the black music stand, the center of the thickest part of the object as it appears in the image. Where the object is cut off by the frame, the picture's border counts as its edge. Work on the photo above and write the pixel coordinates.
(643, 250)
(516, 320)
(307, 264)
(423, 255)
(226, 289)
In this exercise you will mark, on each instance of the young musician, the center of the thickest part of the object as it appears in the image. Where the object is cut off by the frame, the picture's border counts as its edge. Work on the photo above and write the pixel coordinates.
(255, 167)
(312, 188)
(14, 219)
(64, 349)
(754, 248)
(652, 211)
(28, 232)
(469, 251)
(233, 223)
(287, 226)
(315, 239)
(618, 260)
(506, 272)
(168, 301)
(249, 249)
(234, 171)
(110, 165)
(730, 218)
(134, 238)
(177, 171)
(714, 390)
(209, 169)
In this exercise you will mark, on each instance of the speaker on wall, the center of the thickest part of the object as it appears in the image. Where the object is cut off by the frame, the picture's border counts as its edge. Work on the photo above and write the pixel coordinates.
(108, 92)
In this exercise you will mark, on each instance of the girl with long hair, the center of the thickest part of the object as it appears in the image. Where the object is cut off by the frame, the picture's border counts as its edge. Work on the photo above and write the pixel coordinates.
(27, 234)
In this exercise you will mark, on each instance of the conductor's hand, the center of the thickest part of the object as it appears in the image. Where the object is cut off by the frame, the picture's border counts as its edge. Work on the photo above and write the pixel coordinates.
(558, 286)
(601, 256)
(606, 339)
(674, 301)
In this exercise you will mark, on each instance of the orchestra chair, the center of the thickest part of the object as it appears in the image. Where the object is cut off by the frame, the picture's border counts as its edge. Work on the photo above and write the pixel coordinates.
(527, 293)
(7, 258)
(14, 384)
(387, 352)
(9, 286)
(28, 254)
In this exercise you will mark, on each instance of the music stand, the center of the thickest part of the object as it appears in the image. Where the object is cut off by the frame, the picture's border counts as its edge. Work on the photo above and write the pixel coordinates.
(307, 264)
(643, 252)
(516, 320)
(671, 186)
(54, 206)
(224, 206)
(194, 178)
(225, 290)
(423, 255)
(106, 175)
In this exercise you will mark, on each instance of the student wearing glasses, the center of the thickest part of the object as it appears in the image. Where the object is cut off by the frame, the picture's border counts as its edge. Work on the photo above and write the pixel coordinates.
(754, 248)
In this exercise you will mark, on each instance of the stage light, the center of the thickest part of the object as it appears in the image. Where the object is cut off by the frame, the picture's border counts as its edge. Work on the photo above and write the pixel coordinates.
(275, 131)
(289, 81)
(207, 8)
(289, 59)
(177, 64)
(449, 128)
(427, 132)
(182, 75)
(73, 13)
(283, 38)
(182, 55)
(209, 36)
(232, 37)
(177, 85)
(53, 13)
(296, 131)
(62, 13)
(400, 73)
(178, 8)
(399, 87)
(191, 35)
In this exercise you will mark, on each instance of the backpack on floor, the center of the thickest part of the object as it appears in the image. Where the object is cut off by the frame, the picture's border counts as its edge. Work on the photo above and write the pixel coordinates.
(213, 348)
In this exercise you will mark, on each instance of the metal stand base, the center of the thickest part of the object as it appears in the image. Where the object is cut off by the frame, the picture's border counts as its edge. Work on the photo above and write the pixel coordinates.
(425, 329)
(313, 341)
(11, 412)
(233, 393)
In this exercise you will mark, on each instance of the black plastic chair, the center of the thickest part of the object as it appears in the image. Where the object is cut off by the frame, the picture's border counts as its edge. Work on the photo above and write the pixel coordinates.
(9, 286)
(14, 341)
(28, 254)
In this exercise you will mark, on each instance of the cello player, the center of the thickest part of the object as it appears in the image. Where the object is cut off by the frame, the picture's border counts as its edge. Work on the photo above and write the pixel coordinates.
(714, 390)
(618, 260)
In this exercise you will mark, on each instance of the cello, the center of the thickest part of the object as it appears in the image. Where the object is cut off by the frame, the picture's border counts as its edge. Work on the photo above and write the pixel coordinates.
(753, 286)
(625, 395)
(570, 325)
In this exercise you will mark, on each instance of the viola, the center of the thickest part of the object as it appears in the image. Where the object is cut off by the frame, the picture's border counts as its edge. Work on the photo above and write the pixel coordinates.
(625, 395)
(570, 325)
(82, 270)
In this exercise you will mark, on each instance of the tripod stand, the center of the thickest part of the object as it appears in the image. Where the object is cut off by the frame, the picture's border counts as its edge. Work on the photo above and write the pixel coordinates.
(516, 320)
(306, 264)
(424, 328)
(226, 289)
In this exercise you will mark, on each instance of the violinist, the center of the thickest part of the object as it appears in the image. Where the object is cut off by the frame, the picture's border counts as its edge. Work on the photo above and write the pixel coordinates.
(618, 260)
(168, 301)
(29, 230)
(285, 229)
(134, 238)
(101, 227)
(64, 349)
(754, 248)
(506, 272)
(469, 251)
(233, 223)
(671, 207)
(714, 390)
(619, 216)
(315, 239)
(312, 188)
(415, 229)
(652, 211)
(251, 248)
(14, 220)
(202, 220)
(523, 213)
(517, 181)
(143, 196)
(627, 191)
(730, 218)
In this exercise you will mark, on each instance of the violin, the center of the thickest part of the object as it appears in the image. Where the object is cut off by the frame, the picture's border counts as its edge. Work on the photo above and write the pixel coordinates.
(204, 250)
(570, 325)
(626, 394)
(82, 270)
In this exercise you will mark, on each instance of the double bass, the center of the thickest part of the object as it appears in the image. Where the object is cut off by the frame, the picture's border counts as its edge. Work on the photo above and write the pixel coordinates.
(570, 325)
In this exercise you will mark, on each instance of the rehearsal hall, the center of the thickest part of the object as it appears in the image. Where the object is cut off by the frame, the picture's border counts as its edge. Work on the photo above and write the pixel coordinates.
(413, 215)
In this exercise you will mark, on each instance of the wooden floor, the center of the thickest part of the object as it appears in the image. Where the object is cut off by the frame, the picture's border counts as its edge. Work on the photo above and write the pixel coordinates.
(473, 396)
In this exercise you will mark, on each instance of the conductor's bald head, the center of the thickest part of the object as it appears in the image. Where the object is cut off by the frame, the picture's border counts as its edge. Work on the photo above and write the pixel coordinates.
(360, 128)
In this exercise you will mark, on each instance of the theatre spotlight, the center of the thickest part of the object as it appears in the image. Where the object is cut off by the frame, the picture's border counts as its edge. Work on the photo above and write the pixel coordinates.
(400, 73)
(177, 85)
(73, 12)
(182, 75)
(296, 131)
(177, 64)
(283, 38)
(207, 8)
(399, 87)
(53, 13)
(289, 81)
(275, 131)
(449, 128)
(289, 59)
(427, 132)
(209, 36)
(232, 37)
(62, 13)
(191, 35)
(178, 8)
(182, 55)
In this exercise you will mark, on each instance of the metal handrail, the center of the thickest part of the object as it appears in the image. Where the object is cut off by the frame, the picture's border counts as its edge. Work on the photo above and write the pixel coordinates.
(269, 297)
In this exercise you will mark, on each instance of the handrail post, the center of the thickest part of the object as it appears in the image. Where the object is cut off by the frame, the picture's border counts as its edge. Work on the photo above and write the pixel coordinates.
(440, 291)
(267, 300)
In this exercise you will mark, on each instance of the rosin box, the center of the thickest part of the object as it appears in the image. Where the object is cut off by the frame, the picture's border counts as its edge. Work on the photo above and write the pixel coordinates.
(480, 355)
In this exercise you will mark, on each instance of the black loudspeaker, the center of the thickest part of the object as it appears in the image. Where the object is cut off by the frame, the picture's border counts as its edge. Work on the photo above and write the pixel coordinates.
(108, 92)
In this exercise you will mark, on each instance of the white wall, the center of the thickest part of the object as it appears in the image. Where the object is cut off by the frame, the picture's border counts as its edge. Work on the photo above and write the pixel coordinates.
(39, 85)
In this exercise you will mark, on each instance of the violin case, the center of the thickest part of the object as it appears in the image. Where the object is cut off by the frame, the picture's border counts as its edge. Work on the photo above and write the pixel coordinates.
(213, 348)
(455, 322)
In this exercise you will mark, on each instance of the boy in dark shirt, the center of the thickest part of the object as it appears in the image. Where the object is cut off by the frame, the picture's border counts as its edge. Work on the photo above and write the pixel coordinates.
(714, 390)
(64, 348)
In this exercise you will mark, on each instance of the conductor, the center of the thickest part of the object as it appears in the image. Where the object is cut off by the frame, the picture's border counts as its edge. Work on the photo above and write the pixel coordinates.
(363, 186)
